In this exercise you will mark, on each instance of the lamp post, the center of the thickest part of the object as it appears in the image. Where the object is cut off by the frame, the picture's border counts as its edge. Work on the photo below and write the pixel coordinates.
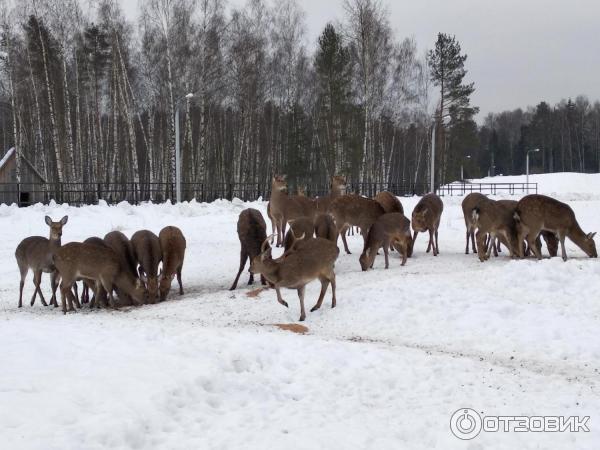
(527, 165)
(178, 149)
(462, 172)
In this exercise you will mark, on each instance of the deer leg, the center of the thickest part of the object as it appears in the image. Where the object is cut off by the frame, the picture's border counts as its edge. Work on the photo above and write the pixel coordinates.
(386, 245)
(54, 277)
(280, 299)
(76, 297)
(243, 257)
(332, 281)
(64, 287)
(23, 271)
(343, 233)
(70, 299)
(494, 245)
(37, 280)
(467, 247)
(301, 297)
(179, 280)
(499, 246)
(283, 229)
(430, 244)
(481, 237)
(437, 243)
(324, 284)
(561, 238)
(85, 293)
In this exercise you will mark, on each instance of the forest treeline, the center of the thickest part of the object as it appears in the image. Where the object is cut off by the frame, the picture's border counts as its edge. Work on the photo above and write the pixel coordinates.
(90, 96)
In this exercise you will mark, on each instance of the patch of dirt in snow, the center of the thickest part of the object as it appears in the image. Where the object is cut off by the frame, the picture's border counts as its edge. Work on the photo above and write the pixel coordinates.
(293, 327)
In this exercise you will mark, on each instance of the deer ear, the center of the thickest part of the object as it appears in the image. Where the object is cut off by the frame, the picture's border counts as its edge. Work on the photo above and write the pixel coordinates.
(48, 220)
(591, 235)
(64, 220)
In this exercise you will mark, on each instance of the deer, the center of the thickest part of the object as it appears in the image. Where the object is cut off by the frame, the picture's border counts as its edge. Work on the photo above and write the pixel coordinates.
(549, 238)
(99, 265)
(85, 291)
(123, 247)
(470, 202)
(35, 253)
(298, 227)
(426, 217)
(389, 229)
(252, 231)
(146, 248)
(496, 220)
(172, 245)
(307, 260)
(352, 209)
(389, 202)
(282, 208)
(337, 188)
(325, 228)
(536, 213)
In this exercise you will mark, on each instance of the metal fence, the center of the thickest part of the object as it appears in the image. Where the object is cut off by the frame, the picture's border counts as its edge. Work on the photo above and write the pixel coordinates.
(463, 188)
(26, 194)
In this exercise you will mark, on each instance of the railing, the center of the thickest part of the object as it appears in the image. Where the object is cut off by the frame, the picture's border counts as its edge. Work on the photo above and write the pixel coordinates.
(463, 188)
(25, 194)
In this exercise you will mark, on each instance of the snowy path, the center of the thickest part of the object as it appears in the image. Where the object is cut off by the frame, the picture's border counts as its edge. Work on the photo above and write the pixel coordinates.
(386, 368)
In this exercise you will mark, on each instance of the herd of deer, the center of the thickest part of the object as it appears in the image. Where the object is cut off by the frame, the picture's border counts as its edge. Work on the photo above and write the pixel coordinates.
(130, 267)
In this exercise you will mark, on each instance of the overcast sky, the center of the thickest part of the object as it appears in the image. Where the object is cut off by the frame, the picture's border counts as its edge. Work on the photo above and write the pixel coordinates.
(520, 51)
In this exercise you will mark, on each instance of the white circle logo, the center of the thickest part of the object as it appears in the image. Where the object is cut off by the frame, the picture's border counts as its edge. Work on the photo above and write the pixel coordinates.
(465, 423)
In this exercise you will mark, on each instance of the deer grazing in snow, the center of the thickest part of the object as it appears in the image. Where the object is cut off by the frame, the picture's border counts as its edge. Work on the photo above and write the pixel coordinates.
(391, 229)
(426, 217)
(100, 266)
(172, 245)
(252, 231)
(307, 259)
(495, 220)
(470, 202)
(325, 227)
(35, 253)
(536, 213)
(349, 210)
(148, 254)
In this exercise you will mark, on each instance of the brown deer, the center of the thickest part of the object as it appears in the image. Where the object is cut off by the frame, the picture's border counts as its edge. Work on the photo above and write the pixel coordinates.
(469, 203)
(100, 265)
(389, 229)
(35, 253)
(298, 227)
(325, 227)
(282, 208)
(307, 260)
(85, 291)
(549, 237)
(337, 188)
(496, 220)
(536, 213)
(389, 202)
(349, 210)
(146, 248)
(172, 245)
(426, 217)
(123, 247)
(252, 231)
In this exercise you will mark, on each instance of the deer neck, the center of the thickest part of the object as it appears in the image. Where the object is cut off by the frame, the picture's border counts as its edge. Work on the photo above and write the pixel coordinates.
(577, 235)
(55, 243)
(278, 195)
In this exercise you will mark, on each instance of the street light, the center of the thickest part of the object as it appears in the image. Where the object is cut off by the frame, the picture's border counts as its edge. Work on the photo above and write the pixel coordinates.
(527, 165)
(177, 148)
(462, 173)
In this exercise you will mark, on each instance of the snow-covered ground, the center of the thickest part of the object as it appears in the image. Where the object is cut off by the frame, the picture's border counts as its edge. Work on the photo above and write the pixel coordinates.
(385, 369)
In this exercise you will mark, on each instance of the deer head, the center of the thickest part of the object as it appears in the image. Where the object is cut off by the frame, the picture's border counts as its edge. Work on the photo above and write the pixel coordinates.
(56, 227)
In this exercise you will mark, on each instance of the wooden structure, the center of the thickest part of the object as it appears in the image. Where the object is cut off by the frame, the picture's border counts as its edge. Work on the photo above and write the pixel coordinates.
(29, 190)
